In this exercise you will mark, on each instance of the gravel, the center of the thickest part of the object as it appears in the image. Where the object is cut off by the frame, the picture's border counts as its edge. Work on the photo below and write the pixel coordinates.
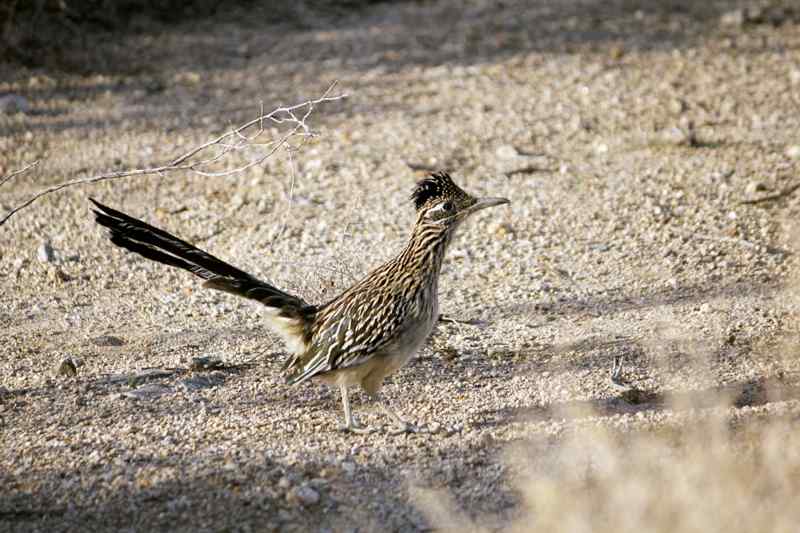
(627, 140)
(304, 496)
(13, 103)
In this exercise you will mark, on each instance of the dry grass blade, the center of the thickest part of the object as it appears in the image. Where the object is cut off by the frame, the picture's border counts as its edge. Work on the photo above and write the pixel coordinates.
(234, 140)
(713, 476)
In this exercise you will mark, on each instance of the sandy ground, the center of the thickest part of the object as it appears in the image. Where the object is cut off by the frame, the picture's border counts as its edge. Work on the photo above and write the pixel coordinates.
(639, 142)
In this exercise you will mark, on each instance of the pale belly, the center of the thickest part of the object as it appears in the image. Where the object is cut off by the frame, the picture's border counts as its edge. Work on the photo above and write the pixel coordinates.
(392, 357)
(409, 342)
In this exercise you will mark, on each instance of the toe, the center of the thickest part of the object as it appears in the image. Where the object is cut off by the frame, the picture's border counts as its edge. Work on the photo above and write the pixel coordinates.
(403, 428)
(362, 430)
(357, 429)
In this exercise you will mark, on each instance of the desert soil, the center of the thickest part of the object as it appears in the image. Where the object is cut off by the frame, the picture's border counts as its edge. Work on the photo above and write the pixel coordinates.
(648, 148)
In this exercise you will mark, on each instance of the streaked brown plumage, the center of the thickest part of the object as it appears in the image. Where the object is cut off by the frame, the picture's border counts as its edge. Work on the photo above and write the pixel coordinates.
(362, 335)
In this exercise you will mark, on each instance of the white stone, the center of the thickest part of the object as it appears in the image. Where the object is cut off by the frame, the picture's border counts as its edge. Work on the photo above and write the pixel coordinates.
(506, 152)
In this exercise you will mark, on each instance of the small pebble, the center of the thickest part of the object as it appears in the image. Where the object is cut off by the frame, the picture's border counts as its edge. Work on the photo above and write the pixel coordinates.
(108, 340)
(504, 230)
(616, 52)
(448, 353)
(506, 151)
(206, 363)
(348, 468)
(187, 78)
(793, 151)
(303, 495)
(313, 164)
(755, 186)
(677, 106)
(19, 265)
(13, 103)
(330, 472)
(675, 136)
(733, 18)
(752, 14)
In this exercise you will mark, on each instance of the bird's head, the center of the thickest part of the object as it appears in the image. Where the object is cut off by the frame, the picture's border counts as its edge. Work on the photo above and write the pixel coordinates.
(441, 202)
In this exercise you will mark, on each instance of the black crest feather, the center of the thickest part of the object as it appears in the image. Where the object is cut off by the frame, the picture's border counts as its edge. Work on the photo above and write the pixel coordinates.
(434, 186)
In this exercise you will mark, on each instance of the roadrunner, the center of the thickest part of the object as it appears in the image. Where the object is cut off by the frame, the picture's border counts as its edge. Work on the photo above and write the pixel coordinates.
(364, 334)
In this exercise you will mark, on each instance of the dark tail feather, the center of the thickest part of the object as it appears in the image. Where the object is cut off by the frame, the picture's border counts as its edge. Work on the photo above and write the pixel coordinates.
(158, 245)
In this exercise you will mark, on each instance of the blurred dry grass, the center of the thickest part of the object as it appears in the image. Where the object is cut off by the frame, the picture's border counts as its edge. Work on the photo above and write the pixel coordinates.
(724, 468)
(716, 475)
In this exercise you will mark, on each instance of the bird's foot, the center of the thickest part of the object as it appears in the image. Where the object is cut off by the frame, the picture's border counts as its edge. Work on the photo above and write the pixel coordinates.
(397, 429)
(431, 429)
(400, 429)
(627, 390)
(358, 429)
(352, 425)
(617, 379)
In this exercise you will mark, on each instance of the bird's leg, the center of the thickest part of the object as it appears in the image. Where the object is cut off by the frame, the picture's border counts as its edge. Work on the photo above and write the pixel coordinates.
(350, 422)
(616, 370)
(617, 378)
(618, 381)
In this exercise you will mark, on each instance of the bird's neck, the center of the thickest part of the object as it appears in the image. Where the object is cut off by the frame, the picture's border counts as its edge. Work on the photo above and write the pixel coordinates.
(426, 247)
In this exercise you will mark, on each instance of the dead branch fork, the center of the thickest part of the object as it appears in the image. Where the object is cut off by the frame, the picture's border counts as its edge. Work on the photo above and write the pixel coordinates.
(198, 161)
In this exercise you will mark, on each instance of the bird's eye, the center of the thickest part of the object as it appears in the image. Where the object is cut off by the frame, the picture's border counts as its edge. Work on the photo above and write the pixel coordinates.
(447, 206)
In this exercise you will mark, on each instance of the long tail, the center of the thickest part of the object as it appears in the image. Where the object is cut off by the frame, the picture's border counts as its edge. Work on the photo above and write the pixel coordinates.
(158, 245)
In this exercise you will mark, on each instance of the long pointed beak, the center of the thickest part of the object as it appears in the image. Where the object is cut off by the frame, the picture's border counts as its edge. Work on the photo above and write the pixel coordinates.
(483, 203)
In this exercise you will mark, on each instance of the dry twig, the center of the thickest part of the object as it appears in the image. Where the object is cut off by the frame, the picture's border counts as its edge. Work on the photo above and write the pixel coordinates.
(18, 172)
(246, 136)
(770, 197)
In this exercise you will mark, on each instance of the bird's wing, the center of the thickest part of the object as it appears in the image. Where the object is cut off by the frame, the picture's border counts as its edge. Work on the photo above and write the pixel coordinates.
(350, 330)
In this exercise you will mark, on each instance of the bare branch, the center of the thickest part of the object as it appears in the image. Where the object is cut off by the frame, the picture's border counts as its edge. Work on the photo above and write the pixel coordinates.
(273, 115)
(235, 140)
(18, 172)
(290, 197)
